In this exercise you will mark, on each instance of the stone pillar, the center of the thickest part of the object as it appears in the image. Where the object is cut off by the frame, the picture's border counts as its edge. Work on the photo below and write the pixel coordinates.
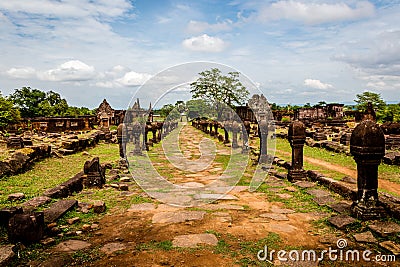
(263, 133)
(121, 137)
(235, 131)
(216, 129)
(245, 137)
(227, 127)
(136, 131)
(297, 138)
(367, 145)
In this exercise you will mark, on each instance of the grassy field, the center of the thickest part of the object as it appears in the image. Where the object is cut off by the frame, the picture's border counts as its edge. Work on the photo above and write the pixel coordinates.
(52, 171)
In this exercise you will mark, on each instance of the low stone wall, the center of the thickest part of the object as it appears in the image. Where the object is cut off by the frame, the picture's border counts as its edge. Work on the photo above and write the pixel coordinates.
(24, 158)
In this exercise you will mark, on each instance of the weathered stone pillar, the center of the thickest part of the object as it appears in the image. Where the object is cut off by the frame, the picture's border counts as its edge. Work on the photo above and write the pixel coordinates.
(263, 133)
(297, 138)
(235, 130)
(137, 130)
(121, 137)
(227, 127)
(216, 129)
(367, 145)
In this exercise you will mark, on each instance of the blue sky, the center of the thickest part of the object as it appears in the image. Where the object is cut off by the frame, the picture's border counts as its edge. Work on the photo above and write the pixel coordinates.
(294, 51)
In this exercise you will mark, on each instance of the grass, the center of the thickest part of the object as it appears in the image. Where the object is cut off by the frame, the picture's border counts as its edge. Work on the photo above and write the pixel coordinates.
(51, 172)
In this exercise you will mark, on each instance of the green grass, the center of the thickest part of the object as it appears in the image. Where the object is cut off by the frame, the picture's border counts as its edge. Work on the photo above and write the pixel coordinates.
(51, 172)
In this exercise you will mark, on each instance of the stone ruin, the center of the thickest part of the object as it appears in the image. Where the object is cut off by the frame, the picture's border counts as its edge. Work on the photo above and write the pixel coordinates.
(297, 138)
(94, 174)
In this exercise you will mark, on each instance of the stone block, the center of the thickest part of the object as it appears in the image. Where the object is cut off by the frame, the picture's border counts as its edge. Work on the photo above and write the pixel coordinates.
(26, 227)
(58, 209)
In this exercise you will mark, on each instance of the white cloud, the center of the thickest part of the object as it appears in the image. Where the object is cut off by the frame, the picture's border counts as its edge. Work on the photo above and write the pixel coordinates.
(315, 13)
(317, 84)
(196, 27)
(204, 43)
(21, 73)
(73, 70)
(133, 78)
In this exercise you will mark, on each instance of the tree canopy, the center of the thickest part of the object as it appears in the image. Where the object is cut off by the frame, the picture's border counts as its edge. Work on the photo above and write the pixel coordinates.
(215, 88)
(36, 103)
(8, 112)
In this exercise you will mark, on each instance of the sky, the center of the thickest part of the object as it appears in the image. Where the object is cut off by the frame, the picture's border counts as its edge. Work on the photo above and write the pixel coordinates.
(294, 51)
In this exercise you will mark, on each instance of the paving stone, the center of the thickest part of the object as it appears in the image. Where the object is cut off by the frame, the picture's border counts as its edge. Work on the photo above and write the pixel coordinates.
(178, 216)
(384, 228)
(286, 228)
(216, 197)
(285, 196)
(366, 237)
(341, 221)
(341, 207)
(393, 247)
(142, 207)
(329, 239)
(72, 246)
(305, 184)
(16, 196)
(110, 248)
(318, 192)
(191, 241)
(192, 185)
(291, 189)
(58, 209)
(276, 209)
(221, 206)
(223, 216)
(275, 216)
(324, 200)
(6, 254)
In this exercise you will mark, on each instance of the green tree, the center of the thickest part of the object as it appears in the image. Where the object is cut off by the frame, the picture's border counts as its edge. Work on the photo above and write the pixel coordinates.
(219, 90)
(377, 102)
(392, 113)
(8, 112)
(36, 103)
(28, 101)
(198, 108)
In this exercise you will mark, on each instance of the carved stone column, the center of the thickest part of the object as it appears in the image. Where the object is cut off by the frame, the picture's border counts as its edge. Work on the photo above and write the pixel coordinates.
(367, 145)
(297, 138)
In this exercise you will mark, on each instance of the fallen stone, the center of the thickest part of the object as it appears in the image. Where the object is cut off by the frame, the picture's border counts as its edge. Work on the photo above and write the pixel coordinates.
(191, 241)
(384, 228)
(304, 184)
(16, 196)
(393, 247)
(341, 221)
(366, 237)
(125, 179)
(142, 207)
(86, 227)
(72, 245)
(178, 216)
(99, 206)
(94, 226)
(58, 209)
(37, 201)
(73, 220)
(110, 248)
(48, 241)
(6, 254)
(84, 207)
(275, 216)
(123, 187)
